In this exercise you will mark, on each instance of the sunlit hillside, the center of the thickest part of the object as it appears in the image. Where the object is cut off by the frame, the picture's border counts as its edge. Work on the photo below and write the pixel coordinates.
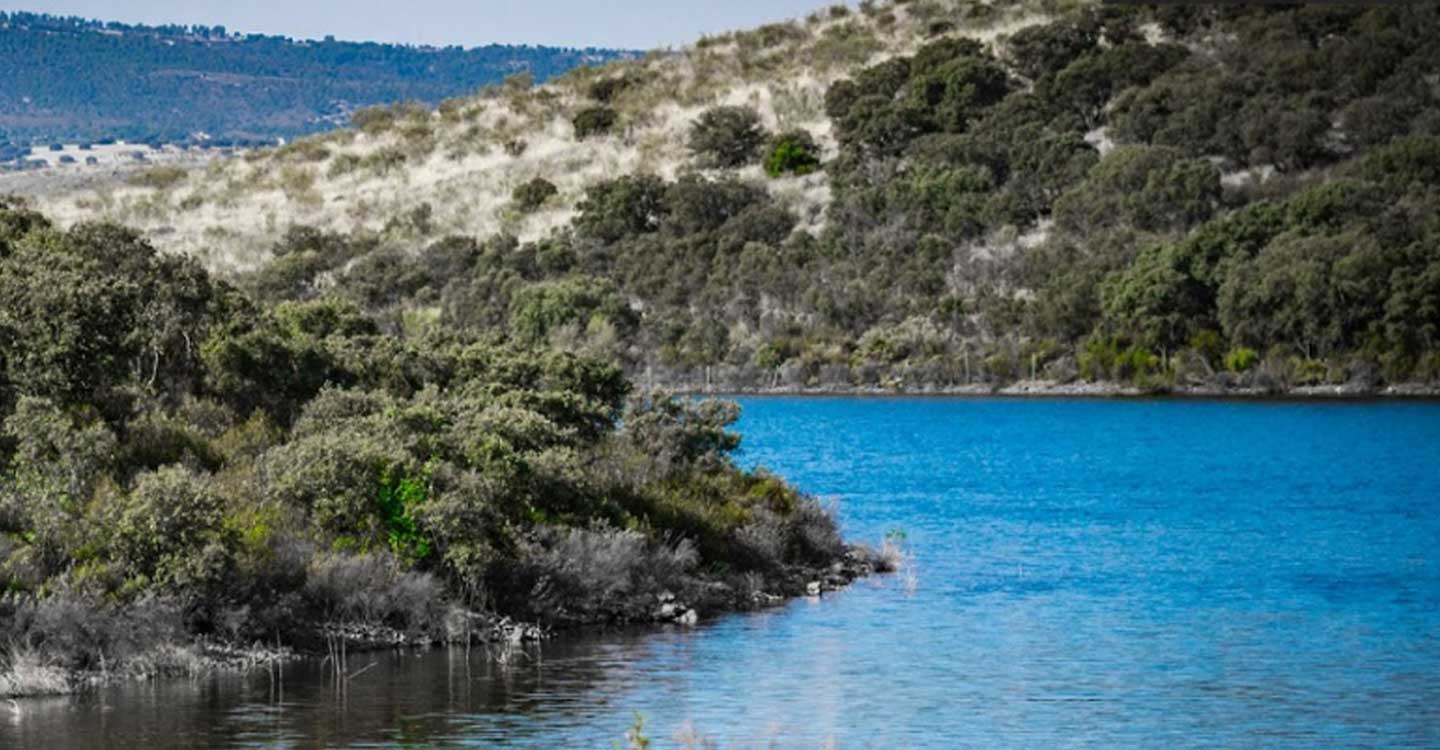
(409, 173)
(920, 195)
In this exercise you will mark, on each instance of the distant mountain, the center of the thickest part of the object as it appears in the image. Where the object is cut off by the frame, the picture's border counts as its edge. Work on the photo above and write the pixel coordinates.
(70, 79)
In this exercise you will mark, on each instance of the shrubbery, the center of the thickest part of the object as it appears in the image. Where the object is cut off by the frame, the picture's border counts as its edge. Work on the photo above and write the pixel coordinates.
(794, 152)
(270, 466)
(727, 137)
(594, 121)
(531, 195)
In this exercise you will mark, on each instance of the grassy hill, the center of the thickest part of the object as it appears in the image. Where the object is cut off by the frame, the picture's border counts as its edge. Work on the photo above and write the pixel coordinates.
(924, 194)
(76, 80)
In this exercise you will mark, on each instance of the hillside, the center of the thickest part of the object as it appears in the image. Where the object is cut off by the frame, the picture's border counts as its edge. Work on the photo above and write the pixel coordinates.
(922, 195)
(71, 80)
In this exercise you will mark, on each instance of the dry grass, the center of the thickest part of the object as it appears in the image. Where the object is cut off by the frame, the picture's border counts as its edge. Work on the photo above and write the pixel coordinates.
(27, 673)
(466, 158)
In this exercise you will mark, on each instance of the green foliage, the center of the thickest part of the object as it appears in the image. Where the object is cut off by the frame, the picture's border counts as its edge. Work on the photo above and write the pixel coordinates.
(794, 152)
(169, 533)
(530, 196)
(1111, 359)
(399, 496)
(1242, 359)
(83, 311)
(625, 206)
(727, 137)
(942, 88)
(540, 309)
(1038, 51)
(635, 735)
(1152, 189)
(291, 462)
(594, 121)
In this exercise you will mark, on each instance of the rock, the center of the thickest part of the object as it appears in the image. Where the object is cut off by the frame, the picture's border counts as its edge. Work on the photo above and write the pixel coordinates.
(812, 588)
(665, 596)
(689, 618)
(667, 611)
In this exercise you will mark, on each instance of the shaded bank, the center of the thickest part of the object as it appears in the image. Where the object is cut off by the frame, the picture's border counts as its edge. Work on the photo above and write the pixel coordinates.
(740, 381)
(30, 672)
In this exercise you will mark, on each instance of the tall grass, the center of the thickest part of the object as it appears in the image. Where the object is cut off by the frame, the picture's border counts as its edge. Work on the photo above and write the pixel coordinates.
(27, 673)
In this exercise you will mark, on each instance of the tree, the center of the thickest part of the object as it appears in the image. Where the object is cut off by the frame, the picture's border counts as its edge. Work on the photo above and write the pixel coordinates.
(1286, 295)
(1046, 49)
(1150, 188)
(169, 533)
(727, 137)
(1155, 302)
(540, 309)
(614, 209)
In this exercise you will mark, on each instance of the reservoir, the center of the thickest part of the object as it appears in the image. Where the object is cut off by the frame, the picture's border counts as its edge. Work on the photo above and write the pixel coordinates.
(1082, 574)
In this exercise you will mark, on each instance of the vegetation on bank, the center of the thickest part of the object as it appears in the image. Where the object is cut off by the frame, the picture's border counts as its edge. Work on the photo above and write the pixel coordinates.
(1057, 203)
(182, 461)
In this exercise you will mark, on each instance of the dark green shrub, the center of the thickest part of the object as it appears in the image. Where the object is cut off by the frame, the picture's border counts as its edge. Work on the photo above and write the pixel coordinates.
(594, 121)
(538, 310)
(531, 195)
(727, 137)
(608, 88)
(1045, 50)
(614, 209)
(169, 532)
(795, 152)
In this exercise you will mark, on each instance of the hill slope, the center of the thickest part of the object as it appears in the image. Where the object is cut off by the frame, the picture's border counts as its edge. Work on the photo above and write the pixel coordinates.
(76, 80)
(964, 193)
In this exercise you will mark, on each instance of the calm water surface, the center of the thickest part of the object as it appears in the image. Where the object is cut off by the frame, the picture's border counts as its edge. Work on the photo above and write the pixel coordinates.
(1086, 575)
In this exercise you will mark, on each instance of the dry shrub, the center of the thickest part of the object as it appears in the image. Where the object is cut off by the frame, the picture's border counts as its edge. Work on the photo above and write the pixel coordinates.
(601, 574)
(375, 589)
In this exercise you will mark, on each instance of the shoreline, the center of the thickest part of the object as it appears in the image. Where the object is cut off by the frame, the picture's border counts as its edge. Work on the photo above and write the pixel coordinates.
(31, 677)
(1050, 389)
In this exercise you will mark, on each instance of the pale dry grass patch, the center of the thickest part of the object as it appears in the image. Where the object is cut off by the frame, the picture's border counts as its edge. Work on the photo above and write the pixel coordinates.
(26, 673)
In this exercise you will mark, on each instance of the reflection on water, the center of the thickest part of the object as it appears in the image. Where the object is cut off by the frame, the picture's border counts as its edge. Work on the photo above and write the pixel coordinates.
(1090, 575)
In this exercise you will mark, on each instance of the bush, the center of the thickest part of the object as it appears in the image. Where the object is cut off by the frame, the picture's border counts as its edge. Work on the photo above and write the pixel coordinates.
(531, 195)
(605, 90)
(169, 532)
(585, 575)
(615, 209)
(374, 589)
(1241, 360)
(795, 152)
(594, 121)
(540, 309)
(727, 137)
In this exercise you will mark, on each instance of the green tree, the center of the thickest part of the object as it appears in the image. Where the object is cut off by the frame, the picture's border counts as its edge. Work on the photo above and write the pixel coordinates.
(727, 136)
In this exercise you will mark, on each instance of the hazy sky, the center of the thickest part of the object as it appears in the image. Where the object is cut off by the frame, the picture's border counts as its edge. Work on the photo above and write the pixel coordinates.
(613, 23)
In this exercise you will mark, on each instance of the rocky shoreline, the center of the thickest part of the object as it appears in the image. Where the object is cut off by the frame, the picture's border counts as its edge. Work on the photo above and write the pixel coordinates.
(497, 634)
(1089, 389)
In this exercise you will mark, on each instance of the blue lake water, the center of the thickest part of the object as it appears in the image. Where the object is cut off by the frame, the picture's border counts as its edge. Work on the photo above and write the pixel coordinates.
(1086, 574)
